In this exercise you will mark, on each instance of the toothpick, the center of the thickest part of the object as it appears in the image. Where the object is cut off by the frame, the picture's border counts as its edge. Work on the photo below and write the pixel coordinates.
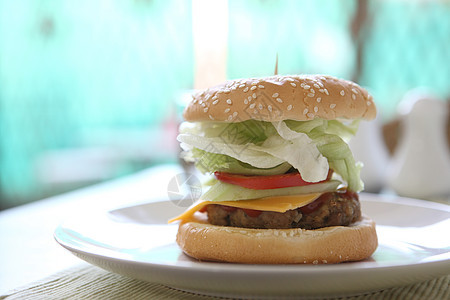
(276, 65)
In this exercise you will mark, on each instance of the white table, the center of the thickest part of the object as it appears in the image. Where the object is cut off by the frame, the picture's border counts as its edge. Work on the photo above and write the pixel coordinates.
(28, 251)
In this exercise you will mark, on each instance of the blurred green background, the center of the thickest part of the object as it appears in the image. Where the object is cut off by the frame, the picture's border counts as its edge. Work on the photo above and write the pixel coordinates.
(90, 90)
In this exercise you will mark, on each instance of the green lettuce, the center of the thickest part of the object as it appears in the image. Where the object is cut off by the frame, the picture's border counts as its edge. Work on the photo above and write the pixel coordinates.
(340, 157)
(222, 191)
(283, 145)
(208, 162)
(264, 148)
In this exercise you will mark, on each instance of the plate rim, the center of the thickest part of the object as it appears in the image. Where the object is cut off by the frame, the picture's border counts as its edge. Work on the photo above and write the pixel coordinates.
(59, 233)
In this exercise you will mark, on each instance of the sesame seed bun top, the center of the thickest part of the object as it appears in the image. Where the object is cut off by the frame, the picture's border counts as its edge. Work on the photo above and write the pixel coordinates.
(277, 98)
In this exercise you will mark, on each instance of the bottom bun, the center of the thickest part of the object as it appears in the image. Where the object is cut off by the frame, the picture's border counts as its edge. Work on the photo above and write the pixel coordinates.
(336, 244)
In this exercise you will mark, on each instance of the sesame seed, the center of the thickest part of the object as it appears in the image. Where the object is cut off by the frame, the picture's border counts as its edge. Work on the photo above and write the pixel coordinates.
(342, 93)
(311, 95)
(312, 91)
(242, 85)
(215, 102)
(254, 95)
(205, 109)
(207, 96)
(227, 91)
(253, 88)
(203, 104)
(369, 103)
(235, 114)
(279, 100)
(332, 106)
(302, 84)
(229, 101)
(245, 101)
(211, 117)
(289, 79)
(275, 95)
(310, 115)
(316, 86)
(306, 87)
(250, 98)
(227, 110)
(305, 111)
(252, 105)
(289, 107)
(246, 90)
(213, 98)
(354, 90)
(353, 96)
(255, 82)
(326, 92)
(269, 107)
(316, 109)
(322, 91)
(260, 106)
(293, 84)
(230, 117)
(319, 99)
(261, 86)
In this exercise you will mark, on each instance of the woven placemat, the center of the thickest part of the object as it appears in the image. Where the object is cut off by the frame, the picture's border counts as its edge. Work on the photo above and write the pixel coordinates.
(89, 282)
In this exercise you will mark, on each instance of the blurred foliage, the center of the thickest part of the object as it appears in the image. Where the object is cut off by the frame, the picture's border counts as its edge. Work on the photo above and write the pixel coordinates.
(403, 44)
(72, 70)
(308, 36)
(407, 45)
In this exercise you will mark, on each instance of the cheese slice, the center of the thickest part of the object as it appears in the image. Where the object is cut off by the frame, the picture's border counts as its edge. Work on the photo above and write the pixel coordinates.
(277, 203)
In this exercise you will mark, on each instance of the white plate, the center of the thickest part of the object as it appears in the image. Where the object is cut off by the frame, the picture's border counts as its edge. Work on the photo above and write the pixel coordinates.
(414, 245)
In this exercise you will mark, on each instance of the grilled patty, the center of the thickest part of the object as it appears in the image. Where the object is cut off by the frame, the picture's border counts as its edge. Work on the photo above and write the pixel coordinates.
(330, 209)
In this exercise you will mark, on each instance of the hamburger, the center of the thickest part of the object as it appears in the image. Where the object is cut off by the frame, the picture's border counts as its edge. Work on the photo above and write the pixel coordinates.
(284, 184)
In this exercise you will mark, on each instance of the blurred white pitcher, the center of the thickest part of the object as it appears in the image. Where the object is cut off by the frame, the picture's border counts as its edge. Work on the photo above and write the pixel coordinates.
(420, 167)
(368, 147)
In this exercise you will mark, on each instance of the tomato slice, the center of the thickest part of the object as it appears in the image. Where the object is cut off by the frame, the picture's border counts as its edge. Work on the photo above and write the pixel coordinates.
(265, 182)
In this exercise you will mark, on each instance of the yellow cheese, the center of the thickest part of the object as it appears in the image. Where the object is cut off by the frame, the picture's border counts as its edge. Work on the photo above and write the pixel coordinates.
(277, 204)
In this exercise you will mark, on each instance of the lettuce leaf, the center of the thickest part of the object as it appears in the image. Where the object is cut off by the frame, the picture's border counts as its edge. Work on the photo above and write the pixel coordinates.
(340, 158)
(299, 150)
(247, 153)
(285, 145)
(264, 148)
(229, 192)
(207, 162)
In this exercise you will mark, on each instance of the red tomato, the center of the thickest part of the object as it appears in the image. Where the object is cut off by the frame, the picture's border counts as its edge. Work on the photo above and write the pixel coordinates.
(265, 182)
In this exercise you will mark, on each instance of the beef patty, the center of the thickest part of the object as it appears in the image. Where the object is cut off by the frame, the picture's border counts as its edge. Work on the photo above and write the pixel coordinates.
(330, 209)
